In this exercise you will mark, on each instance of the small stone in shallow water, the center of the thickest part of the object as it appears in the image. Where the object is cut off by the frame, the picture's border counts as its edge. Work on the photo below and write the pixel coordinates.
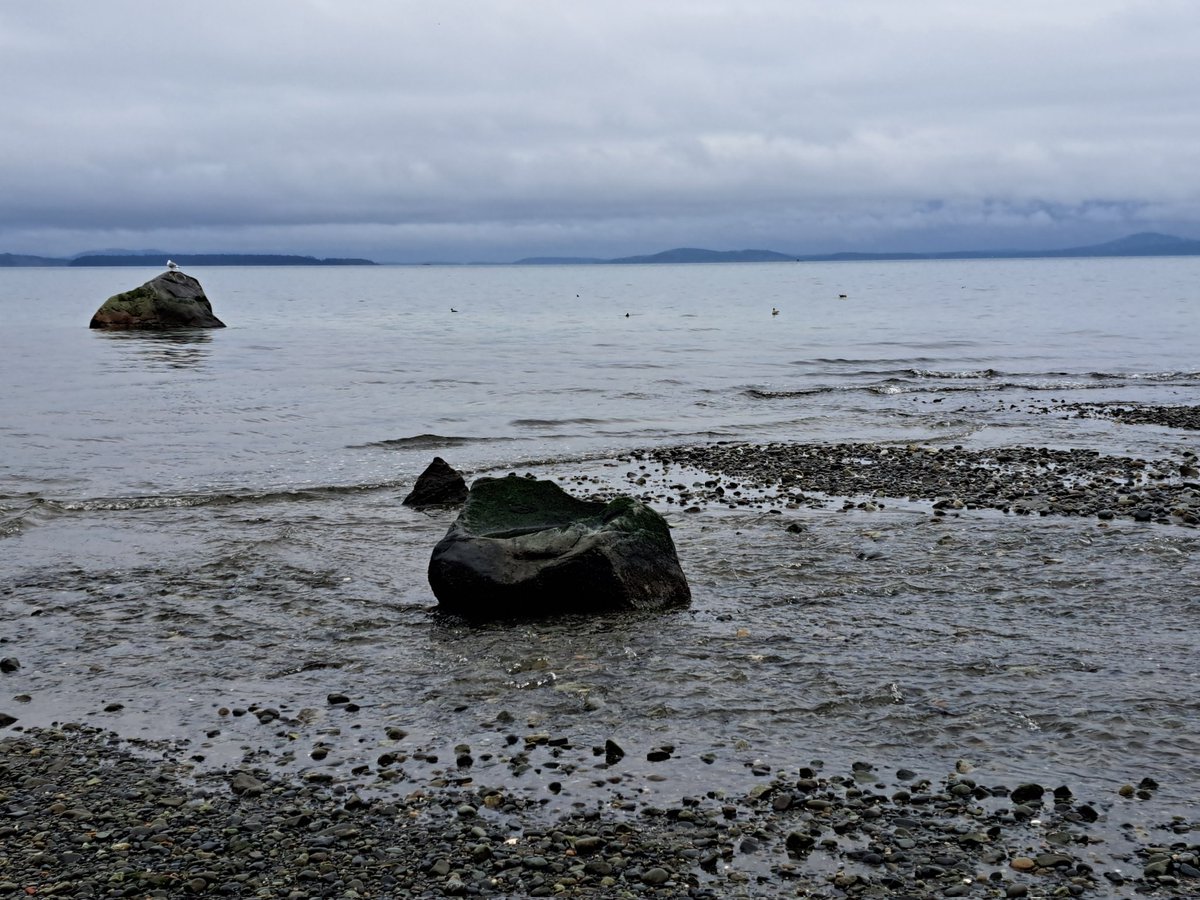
(1027, 793)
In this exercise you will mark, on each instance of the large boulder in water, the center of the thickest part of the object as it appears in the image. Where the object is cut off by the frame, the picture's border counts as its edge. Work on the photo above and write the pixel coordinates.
(522, 547)
(172, 300)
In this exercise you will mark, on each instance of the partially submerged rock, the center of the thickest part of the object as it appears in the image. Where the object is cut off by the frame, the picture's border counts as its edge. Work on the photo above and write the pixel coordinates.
(172, 300)
(439, 485)
(522, 547)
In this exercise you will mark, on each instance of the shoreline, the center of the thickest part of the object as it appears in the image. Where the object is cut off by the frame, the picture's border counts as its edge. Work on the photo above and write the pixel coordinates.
(84, 816)
(1012, 480)
(86, 813)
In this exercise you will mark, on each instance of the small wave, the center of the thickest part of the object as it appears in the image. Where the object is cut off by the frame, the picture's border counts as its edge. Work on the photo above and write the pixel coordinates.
(555, 423)
(952, 376)
(967, 383)
(1145, 376)
(187, 501)
(844, 361)
(763, 394)
(896, 386)
(422, 442)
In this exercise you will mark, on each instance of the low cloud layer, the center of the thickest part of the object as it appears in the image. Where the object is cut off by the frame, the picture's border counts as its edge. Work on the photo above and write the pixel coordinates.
(466, 131)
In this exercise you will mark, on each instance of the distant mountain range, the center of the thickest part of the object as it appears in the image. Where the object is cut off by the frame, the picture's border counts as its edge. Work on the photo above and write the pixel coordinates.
(1147, 243)
(159, 260)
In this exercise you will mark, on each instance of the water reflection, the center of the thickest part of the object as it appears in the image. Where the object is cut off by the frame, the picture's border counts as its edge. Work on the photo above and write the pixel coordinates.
(176, 348)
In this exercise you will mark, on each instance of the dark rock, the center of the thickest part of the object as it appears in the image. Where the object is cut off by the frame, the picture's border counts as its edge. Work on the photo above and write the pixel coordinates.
(589, 844)
(1028, 793)
(172, 300)
(522, 547)
(9, 664)
(439, 485)
(799, 843)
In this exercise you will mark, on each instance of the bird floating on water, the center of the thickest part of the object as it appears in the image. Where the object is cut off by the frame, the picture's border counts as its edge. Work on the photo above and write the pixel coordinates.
(842, 296)
(172, 265)
(452, 309)
(774, 311)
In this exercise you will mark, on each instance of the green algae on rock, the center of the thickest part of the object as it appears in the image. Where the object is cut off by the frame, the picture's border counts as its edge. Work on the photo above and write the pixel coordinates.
(523, 547)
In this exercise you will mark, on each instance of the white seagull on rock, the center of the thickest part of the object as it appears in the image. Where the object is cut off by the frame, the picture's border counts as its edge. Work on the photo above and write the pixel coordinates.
(172, 265)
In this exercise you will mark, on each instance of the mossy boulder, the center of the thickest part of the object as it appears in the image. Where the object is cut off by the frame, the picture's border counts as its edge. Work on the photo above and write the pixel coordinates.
(172, 300)
(523, 548)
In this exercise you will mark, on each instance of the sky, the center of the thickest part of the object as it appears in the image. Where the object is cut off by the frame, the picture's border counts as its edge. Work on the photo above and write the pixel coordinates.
(490, 131)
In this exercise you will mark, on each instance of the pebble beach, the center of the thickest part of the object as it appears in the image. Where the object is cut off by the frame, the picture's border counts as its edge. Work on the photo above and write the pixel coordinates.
(87, 816)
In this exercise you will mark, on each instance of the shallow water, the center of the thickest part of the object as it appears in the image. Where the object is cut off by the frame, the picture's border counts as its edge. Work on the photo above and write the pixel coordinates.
(207, 521)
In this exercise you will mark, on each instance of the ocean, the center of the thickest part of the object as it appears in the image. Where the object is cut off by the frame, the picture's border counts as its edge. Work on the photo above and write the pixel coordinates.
(194, 523)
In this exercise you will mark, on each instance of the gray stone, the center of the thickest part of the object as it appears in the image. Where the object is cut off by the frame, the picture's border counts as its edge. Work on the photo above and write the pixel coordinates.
(172, 300)
(245, 783)
(656, 875)
(522, 547)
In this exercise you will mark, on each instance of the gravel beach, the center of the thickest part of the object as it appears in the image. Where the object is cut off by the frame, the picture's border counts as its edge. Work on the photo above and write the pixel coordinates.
(1016, 480)
(83, 814)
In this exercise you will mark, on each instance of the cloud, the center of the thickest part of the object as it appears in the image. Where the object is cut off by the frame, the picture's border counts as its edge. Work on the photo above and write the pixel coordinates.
(468, 130)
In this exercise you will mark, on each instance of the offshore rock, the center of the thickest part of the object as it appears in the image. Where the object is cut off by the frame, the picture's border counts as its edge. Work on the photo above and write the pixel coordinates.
(172, 300)
(439, 485)
(522, 548)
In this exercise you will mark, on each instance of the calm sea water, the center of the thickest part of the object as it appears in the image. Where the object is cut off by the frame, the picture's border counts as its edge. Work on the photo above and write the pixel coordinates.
(197, 520)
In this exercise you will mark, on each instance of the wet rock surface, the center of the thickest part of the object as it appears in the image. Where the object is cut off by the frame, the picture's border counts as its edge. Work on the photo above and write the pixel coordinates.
(83, 814)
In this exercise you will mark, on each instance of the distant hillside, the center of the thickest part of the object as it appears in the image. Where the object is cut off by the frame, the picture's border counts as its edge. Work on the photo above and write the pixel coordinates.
(558, 261)
(216, 259)
(16, 259)
(1146, 243)
(696, 255)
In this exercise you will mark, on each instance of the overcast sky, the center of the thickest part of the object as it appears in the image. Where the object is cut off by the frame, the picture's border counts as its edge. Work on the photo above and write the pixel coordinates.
(470, 131)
